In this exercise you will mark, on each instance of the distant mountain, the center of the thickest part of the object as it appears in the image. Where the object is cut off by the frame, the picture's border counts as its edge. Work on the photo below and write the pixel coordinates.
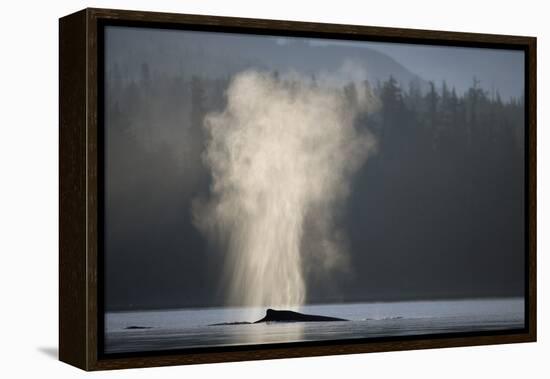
(167, 52)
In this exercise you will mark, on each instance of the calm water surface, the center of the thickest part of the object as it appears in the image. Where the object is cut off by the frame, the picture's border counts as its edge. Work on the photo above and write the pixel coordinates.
(189, 328)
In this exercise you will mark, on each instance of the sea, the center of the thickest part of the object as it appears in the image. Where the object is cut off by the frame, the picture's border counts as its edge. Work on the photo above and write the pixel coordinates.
(153, 330)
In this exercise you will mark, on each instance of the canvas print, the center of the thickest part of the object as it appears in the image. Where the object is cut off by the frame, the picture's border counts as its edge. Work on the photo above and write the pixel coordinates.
(263, 189)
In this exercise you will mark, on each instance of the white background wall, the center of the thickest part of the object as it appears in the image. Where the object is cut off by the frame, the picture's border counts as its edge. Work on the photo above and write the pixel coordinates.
(28, 187)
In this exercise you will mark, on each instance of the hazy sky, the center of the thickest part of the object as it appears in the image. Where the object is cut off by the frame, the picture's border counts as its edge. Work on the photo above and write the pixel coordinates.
(496, 69)
(407, 233)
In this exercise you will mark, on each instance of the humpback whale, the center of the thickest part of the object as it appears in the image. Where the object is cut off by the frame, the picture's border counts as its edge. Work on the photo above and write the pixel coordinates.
(273, 315)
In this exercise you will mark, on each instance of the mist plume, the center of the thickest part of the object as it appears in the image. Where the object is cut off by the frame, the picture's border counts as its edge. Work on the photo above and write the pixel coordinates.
(281, 156)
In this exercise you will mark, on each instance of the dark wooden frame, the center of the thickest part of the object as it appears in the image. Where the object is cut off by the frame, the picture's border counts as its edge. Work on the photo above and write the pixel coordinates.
(80, 158)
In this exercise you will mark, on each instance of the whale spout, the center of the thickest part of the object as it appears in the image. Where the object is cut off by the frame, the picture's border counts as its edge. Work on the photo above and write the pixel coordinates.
(273, 315)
